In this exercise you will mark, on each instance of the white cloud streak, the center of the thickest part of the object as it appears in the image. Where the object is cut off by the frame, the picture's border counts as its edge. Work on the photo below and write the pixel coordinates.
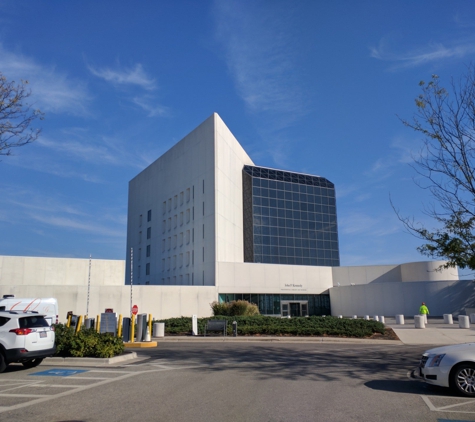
(52, 91)
(135, 76)
(434, 52)
(258, 54)
(27, 206)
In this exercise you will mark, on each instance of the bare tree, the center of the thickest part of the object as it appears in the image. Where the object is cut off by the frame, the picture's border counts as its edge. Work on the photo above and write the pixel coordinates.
(16, 116)
(446, 119)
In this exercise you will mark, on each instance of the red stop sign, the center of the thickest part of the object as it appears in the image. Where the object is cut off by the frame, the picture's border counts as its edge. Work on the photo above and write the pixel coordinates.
(135, 309)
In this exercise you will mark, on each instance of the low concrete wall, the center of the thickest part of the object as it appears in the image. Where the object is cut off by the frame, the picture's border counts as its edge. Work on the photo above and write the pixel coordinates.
(389, 299)
(409, 272)
(160, 301)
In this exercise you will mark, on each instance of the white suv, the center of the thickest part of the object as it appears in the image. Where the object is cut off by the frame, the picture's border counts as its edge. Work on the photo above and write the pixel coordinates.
(25, 337)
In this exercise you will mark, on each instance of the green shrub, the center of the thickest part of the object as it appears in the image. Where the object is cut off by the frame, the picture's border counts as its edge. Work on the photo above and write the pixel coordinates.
(220, 308)
(86, 343)
(234, 308)
(298, 326)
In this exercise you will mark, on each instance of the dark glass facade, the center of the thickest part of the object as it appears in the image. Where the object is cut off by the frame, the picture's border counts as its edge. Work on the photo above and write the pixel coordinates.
(289, 218)
(270, 304)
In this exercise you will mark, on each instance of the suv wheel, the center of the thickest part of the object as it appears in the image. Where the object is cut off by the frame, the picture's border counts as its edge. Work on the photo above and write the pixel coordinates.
(32, 363)
(3, 365)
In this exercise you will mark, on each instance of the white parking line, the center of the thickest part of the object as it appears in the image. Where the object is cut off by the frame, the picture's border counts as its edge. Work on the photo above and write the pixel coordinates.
(40, 398)
(466, 401)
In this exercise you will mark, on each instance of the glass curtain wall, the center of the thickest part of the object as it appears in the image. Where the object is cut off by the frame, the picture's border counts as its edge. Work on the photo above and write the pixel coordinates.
(289, 218)
(270, 304)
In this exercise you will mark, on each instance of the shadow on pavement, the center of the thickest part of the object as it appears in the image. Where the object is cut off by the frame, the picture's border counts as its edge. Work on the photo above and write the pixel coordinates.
(408, 387)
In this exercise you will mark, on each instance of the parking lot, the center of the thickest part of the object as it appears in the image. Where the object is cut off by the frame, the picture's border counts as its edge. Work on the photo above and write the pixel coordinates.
(186, 381)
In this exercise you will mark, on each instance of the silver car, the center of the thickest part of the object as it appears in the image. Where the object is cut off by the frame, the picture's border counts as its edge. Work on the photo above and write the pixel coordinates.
(450, 366)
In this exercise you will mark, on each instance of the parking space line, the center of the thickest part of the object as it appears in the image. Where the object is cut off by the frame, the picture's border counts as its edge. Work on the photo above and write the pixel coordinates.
(25, 384)
(45, 398)
(433, 408)
(25, 395)
(89, 378)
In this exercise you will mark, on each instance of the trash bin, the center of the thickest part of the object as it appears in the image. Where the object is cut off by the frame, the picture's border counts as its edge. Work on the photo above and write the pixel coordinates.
(159, 329)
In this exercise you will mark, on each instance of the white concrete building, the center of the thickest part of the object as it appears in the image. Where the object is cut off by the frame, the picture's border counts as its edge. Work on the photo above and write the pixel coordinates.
(205, 223)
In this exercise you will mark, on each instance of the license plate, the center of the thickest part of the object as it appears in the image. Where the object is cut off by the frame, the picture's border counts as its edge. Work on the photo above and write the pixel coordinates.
(43, 334)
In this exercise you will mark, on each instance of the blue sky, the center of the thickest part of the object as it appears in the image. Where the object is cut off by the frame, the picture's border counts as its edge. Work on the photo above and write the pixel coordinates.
(307, 86)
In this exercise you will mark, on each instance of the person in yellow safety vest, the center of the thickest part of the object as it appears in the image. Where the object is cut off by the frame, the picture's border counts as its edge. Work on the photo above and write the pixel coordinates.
(424, 311)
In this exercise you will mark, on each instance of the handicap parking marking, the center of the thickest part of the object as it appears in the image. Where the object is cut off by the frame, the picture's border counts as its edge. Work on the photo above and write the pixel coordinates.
(59, 372)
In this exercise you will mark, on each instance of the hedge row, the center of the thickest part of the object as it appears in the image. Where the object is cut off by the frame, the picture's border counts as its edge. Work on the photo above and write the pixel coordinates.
(297, 326)
(86, 343)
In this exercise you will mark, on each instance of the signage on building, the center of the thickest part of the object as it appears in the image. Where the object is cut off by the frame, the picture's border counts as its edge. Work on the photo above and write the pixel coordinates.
(293, 286)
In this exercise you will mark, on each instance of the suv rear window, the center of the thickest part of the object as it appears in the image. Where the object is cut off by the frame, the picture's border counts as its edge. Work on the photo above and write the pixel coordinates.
(33, 322)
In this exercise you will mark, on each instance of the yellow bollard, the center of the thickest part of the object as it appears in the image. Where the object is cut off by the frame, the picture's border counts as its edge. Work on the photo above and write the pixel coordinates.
(68, 323)
(119, 328)
(150, 324)
(98, 323)
(132, 329)
(78, 324)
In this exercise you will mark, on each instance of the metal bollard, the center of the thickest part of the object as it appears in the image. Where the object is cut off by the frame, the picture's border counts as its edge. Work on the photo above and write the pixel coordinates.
(400, 319)
(234, 329)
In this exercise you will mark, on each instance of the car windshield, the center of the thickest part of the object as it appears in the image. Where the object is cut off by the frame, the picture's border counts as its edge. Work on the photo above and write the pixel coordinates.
(33, 322)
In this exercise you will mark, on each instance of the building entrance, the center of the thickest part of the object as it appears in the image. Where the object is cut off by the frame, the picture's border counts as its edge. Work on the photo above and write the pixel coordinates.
(294, 308)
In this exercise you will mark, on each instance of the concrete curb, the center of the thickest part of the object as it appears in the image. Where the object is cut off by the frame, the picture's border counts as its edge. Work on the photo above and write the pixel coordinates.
(56, 361)
(199, 339)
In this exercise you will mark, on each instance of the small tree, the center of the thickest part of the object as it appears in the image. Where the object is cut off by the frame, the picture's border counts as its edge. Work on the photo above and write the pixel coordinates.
(16, 116)
(446, 119)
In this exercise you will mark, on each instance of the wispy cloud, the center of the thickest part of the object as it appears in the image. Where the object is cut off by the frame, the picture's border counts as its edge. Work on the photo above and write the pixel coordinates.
(52, 90)
(370, 225)
(147, 103)
(27, 206)
(134, 78)
(78, 225)
(123, 76)
(433, 52)
(258, 53)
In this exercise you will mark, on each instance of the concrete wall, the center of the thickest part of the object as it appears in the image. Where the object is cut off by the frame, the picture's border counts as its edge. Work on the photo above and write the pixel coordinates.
(272, 278)
(391, 299)
(409, 272)
(230, 160)
(67, 280)
(160, 301)
(189, 166)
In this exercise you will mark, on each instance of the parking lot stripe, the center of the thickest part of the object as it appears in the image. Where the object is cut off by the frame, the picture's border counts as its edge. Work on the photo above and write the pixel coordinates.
(25, 395)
